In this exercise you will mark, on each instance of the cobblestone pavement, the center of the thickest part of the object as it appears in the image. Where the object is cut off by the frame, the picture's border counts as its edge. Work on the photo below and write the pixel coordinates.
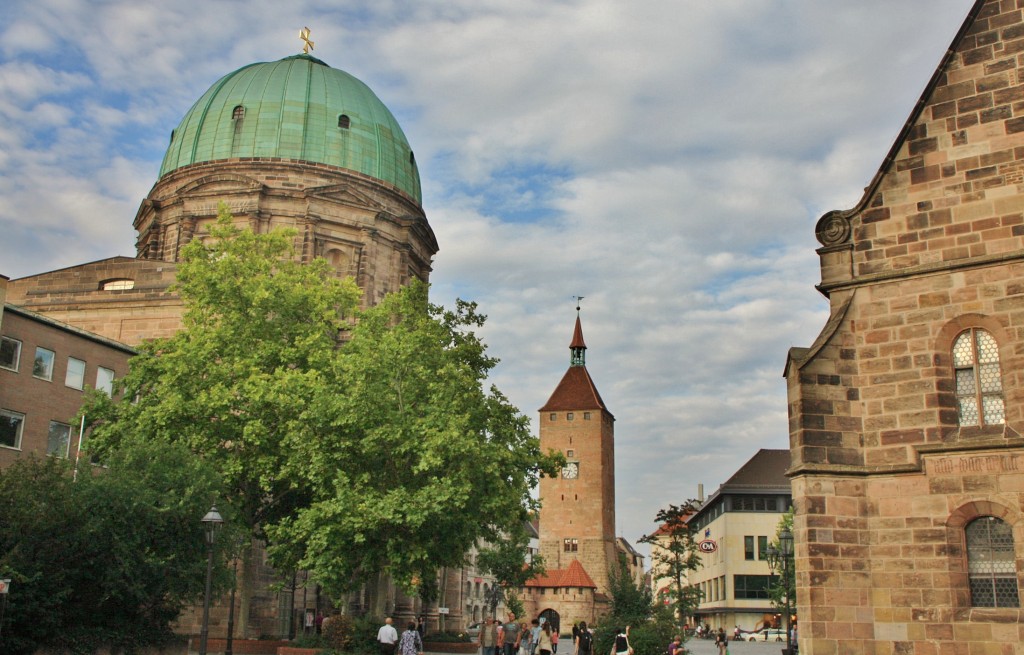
(707, 647)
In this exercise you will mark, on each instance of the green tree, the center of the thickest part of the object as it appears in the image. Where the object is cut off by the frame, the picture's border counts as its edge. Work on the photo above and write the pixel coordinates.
(109, 560)
(782, 587)
(421, 460)
(677, 555)
(506, 561)
(384, 454)
(650, 627)
(258, 345)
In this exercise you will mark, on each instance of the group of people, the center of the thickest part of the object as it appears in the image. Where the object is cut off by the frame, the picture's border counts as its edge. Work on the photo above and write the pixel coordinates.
(509, 638)
(410, 643)
(538, 638)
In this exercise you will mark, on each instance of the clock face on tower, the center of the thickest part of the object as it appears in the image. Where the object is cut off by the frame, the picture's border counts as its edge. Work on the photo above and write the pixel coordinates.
(571, 471)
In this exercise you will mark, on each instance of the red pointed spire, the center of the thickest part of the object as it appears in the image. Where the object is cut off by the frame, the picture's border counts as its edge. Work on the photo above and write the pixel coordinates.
(577, 335)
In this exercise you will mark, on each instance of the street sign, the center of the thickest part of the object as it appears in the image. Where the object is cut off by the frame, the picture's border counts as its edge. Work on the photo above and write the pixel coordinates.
(442, 610)
(707, 546)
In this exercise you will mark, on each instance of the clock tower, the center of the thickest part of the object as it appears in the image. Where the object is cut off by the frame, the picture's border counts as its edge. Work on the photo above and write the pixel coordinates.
(577, 516)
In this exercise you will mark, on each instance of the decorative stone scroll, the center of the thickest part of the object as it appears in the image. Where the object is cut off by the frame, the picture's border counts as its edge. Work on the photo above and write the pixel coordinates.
(833, 228)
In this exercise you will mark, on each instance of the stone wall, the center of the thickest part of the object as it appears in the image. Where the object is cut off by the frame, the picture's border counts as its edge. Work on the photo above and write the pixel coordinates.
(885, 477)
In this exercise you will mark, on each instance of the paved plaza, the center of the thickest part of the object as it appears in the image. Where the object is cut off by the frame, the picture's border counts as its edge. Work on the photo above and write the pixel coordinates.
(707, 647)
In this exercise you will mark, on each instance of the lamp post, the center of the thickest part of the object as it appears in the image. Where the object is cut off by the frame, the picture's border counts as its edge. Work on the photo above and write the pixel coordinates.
(781, 559)
(211, 523)
(493, 596)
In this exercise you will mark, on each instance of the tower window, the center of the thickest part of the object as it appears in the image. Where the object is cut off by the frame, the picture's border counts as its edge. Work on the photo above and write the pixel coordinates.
(570, 453)
(991, 570)
(979, 386)
(570, 545)
(238, 113)
(552, 416)
(586, 416)
(344, 122)
(568, 416)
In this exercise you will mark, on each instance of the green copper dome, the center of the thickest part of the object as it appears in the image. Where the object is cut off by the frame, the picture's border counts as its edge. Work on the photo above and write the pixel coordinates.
(297, 108)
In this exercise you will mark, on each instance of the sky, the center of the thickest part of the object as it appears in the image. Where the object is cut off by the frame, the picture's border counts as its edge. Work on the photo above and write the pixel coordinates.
(665, 159)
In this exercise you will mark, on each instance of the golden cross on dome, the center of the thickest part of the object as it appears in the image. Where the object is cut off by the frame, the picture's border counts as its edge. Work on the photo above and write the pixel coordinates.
(304, 35)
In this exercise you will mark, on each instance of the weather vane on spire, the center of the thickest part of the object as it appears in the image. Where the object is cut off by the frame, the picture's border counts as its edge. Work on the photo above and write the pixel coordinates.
(304, 35)
(577, 299)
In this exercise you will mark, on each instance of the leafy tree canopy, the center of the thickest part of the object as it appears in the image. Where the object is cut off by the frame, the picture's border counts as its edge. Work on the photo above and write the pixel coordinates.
(383, 454)
(420, 461)
(105, 560)
(675, 555)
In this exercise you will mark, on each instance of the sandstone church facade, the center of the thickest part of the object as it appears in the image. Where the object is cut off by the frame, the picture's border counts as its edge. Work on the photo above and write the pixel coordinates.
(907, 412)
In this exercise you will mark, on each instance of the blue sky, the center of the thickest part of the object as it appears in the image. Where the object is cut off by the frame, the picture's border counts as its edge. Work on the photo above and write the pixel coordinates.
(667, 160)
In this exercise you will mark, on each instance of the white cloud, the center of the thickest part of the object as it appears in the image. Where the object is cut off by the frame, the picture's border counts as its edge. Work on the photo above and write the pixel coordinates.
(666, 160)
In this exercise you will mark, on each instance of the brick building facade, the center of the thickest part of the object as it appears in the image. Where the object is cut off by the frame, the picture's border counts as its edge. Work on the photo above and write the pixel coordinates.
(906, 413)
(45, 366)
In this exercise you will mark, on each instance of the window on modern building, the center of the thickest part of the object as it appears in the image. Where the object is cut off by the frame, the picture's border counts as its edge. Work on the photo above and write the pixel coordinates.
(344, 122)
(119, 284)
(59, 439)
(991, 567)
(42, 366)
(750, 587)
(586, 416)
(11, 424)
(748, 547)
(762, 547)
(238, 113)
(979, 386)
(75, 376)
(568, 416)
(10, 353)
(105, 380)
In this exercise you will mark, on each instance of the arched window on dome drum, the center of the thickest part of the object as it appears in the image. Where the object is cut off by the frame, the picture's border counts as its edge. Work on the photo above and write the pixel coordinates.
(991, 563)
(979, 386)
(238, 113)
(344, 122)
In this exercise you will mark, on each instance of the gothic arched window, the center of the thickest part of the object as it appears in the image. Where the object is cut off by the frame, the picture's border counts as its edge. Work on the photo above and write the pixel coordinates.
(979, 386)
(991, 563)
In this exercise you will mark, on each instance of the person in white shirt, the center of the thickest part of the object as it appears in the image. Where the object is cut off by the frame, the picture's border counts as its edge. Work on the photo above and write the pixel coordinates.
(387, 637)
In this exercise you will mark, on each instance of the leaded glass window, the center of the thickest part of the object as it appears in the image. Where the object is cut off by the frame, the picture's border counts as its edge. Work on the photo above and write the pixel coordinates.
(979, 386)
(991, 563)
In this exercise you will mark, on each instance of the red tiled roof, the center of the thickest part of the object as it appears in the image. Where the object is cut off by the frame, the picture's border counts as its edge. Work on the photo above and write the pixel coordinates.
(575, 391)
(574, 576)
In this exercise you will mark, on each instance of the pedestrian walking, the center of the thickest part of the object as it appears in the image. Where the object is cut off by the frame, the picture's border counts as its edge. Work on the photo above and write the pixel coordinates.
(387, 638)
(584, 642)
(510, 636)
(410, 643)
(488, 637)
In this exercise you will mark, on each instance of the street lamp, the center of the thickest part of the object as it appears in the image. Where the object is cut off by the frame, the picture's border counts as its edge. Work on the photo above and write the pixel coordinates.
(493, 596)
(781, 559)
(211, 523)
